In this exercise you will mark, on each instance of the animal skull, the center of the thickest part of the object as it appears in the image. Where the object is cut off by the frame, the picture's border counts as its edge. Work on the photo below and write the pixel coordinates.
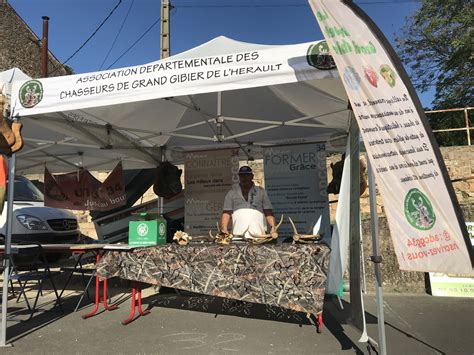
(182, 238)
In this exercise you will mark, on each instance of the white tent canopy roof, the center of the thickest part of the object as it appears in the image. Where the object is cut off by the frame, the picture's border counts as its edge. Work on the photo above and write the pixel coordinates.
(262, 95)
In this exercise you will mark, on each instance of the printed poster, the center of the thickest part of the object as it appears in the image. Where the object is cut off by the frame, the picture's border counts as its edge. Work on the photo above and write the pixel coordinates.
(296, 182)
(209, 175)
(425, 220)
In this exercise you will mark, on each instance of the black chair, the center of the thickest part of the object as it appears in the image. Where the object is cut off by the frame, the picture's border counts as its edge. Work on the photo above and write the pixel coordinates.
(2, 269)
(30, 265)
(79, 268)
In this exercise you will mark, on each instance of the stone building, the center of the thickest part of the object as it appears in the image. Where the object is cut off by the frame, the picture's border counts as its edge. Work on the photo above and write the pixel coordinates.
(20, 47)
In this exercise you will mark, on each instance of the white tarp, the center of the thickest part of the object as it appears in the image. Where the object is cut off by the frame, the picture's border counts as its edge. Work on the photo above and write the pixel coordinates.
(422, 210)
(341, 231)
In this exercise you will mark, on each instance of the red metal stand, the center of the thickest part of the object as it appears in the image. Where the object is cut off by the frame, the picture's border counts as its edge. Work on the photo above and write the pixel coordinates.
(136, 291)
(97, 295)
(319, 322)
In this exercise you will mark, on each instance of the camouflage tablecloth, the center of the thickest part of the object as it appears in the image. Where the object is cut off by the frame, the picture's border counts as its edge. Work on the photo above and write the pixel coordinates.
(284, 275)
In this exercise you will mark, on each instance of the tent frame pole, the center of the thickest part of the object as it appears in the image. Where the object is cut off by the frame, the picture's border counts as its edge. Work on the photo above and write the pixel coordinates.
(161, 200)
(8, 244)
(376, 259)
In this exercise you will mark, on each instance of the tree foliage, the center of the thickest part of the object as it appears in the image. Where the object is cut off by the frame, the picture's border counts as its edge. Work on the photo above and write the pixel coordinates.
(437, 44)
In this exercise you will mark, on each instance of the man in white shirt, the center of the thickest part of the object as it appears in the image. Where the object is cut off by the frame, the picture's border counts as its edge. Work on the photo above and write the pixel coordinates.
(246, 195)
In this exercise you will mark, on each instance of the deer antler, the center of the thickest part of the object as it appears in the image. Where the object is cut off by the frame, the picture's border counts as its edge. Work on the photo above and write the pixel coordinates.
(265, 237)
(221, 237)
(302, 238)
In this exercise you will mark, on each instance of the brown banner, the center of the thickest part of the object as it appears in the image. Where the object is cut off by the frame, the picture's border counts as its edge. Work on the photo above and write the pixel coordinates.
(82, 191)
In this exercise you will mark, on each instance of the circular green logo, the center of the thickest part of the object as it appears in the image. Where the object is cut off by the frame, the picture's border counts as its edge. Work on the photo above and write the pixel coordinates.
(418, 210)
(31, 93)
(318, 56)
(142, 229)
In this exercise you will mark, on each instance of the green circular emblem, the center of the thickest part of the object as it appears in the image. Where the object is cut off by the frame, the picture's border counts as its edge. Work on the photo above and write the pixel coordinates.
(318, 56)
(142, 229)
(418, 210)
(31, 93)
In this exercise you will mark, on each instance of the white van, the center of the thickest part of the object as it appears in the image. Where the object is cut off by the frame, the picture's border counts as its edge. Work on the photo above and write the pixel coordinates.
(33, 222)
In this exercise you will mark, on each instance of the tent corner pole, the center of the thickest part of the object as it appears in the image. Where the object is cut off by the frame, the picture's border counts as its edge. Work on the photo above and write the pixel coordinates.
(161, 200)
(8, 242)
(376, 259)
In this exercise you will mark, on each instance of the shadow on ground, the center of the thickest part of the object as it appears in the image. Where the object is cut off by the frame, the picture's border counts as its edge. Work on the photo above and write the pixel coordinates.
(333, 316)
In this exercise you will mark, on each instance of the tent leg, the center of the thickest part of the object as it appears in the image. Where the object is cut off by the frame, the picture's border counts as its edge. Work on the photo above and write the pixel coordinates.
(376, 259)
(8, 244)
(6, 273)
(362, 259)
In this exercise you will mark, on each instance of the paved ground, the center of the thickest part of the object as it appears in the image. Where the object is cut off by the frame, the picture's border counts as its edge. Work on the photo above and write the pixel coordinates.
(193, 324)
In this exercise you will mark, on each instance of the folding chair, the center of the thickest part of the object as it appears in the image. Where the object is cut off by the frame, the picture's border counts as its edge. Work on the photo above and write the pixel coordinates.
(32, 265)
(2, 269)
(78, 268)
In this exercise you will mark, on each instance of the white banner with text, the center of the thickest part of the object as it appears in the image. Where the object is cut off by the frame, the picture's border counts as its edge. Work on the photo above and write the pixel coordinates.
(186, 74)
(424, 218)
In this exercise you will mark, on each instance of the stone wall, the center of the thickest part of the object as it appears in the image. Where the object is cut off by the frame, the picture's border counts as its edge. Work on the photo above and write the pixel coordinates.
(20, 47)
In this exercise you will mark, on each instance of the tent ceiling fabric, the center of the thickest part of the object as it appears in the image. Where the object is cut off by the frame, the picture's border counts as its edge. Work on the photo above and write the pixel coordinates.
(288, 109)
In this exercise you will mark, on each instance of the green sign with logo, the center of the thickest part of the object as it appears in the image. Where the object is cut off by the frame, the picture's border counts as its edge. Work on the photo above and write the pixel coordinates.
(31, 93)
(147, 233)
(318, 56)
(418, 210)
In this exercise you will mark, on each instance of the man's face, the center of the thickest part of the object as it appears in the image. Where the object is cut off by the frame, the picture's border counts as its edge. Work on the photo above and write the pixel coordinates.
(245, 180)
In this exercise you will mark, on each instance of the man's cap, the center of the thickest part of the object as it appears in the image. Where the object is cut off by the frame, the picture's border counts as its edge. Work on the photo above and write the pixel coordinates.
(245, 170)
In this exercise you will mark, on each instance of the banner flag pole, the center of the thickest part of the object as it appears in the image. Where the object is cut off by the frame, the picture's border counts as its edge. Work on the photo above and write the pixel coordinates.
(376, 259)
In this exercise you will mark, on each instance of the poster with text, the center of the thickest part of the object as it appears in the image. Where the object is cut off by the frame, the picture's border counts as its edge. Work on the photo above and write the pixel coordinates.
(209, 175)
(296, 182)
(425, 220)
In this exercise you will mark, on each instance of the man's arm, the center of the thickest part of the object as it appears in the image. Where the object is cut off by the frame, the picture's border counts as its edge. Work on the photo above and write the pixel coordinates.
(270, 219)
(268, 210)
(227, 212)
(225, 219)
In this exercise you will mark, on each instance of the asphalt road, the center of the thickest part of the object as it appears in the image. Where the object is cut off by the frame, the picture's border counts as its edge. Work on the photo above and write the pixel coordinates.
(194, 324)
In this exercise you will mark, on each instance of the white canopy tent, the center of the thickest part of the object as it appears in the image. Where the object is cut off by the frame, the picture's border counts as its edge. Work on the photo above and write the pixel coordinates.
(227, 93)
(221, 94)
(295, 104)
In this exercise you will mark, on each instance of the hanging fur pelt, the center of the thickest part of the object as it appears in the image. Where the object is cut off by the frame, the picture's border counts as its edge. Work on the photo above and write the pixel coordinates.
(167, 180)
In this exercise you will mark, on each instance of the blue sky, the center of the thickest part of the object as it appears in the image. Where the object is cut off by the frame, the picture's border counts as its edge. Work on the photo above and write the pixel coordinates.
(193, 22)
